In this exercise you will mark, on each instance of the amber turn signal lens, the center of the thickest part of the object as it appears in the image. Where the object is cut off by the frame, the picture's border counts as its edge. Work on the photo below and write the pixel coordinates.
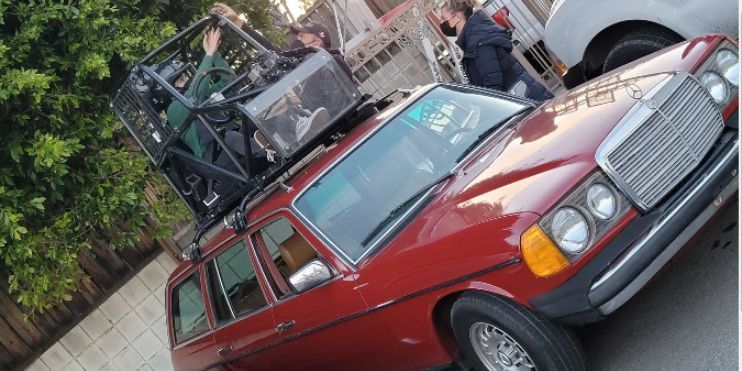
(542, 256)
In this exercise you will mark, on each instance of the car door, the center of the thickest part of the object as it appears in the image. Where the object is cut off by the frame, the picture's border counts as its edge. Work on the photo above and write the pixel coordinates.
(189, 327)
(325, 327)
(241, 309)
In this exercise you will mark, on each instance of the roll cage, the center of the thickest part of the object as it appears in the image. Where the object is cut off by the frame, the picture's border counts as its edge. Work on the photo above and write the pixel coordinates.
(281, 106)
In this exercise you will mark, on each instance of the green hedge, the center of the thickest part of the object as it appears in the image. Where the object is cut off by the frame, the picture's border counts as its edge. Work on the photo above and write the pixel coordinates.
(65, 168)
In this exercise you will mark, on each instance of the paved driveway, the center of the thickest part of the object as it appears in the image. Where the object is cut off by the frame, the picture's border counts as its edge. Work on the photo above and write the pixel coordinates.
(686, 320)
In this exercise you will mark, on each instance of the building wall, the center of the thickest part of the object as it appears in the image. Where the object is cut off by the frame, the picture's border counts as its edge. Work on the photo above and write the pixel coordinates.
(126, 332)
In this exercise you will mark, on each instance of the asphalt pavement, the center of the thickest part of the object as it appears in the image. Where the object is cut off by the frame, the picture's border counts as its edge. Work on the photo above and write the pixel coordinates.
(687, 319)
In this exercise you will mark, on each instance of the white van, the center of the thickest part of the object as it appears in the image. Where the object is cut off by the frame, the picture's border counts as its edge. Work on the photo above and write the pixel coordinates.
(595, 36)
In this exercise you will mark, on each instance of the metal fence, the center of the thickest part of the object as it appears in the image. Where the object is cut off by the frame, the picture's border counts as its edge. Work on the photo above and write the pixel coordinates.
(527, 19)
(407, 49)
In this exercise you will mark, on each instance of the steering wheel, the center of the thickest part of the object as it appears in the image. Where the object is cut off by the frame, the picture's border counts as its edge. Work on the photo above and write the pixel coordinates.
(222, 70)
(228, 113)
(220, 117)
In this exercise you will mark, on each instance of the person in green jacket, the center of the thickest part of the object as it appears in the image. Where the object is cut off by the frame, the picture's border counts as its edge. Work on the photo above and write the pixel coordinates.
(196, 137)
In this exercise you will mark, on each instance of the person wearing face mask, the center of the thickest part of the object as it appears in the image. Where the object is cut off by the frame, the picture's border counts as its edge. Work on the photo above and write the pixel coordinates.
(313, 35)
(316, 35)
(487, 60)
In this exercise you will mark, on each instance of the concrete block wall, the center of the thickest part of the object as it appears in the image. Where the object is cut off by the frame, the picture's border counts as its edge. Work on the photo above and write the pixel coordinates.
(127, 332)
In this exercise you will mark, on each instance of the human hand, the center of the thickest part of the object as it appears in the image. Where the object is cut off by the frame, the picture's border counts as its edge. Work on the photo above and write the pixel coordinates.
(228, 13)
(212, 39)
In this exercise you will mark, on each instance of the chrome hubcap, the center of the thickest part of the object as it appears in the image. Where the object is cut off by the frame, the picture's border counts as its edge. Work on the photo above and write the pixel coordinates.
(498, 350)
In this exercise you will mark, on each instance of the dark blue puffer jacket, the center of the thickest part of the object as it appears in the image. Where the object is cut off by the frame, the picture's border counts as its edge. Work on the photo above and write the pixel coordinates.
(487, 60)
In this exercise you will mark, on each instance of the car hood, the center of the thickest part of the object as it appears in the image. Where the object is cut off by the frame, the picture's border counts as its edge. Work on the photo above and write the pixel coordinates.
(525, 169)
(530, 165)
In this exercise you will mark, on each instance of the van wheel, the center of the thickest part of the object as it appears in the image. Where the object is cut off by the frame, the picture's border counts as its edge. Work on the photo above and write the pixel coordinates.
(638, 44)
(574, 76)
(497, 334)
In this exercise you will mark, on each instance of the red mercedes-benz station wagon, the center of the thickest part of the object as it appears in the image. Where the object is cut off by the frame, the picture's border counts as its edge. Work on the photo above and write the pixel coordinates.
(458, 223)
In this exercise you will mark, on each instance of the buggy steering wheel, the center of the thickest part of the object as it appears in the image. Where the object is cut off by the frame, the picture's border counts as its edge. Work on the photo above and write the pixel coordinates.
(228, 116)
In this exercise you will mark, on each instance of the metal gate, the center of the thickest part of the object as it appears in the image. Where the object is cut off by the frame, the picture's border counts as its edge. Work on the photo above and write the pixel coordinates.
(527, 19)
(407, 49)
(403, 51)
(342, 17)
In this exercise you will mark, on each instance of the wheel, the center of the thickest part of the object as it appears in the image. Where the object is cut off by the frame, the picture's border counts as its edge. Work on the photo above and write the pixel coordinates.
(497, 334)
(574, 76)
(638, 44)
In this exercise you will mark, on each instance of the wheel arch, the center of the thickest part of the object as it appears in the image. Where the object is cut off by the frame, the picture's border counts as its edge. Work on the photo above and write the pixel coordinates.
(441, 314)
(598, 48)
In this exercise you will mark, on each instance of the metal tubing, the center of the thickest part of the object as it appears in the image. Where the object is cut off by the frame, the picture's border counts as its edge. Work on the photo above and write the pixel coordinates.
(181, 153)
(243, 34)
(175, 39)
(224, 146)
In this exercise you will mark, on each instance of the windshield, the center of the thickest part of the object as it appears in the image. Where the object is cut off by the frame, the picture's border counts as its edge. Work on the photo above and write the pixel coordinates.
(413, 149)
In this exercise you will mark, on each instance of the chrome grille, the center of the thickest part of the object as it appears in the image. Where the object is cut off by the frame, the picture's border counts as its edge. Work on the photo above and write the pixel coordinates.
(657, 145)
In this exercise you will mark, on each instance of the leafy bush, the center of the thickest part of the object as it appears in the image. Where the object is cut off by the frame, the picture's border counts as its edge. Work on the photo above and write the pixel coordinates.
(66, 168)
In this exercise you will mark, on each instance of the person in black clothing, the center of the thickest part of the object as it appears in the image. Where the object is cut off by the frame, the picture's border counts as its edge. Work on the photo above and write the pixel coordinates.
(305, 112)
(316, 35)
(487, 46)
(313, 35)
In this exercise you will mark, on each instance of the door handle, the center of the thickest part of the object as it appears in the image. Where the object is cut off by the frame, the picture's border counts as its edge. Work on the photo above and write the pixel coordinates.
(285, 325)
(225, 350)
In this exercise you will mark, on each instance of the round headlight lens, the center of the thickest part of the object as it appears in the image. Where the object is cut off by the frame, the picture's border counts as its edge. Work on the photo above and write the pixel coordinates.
(715, 85)
(728, 63)
(601, 202)
(570, 230)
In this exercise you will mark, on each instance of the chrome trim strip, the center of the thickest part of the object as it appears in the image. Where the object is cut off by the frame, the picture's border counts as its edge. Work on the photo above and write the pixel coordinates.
(380, 306)
(221, 285)
(678, 243)
(252, 248)
(372, 247)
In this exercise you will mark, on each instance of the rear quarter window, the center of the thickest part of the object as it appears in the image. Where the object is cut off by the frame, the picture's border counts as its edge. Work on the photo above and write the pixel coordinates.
(188, 313)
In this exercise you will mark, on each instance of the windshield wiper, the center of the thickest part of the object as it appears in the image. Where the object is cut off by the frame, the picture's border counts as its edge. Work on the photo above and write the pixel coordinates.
(489, 132)
(394, 213)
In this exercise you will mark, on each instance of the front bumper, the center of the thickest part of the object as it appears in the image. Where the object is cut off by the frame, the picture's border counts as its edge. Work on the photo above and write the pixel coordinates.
(644, 246)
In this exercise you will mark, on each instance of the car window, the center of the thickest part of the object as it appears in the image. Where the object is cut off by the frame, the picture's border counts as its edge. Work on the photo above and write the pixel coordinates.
(288, 251)
(419, 145)
(233, 283)
(189, 313)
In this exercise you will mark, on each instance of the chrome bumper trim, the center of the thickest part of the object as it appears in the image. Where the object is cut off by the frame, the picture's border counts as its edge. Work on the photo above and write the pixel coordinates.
(629, 291)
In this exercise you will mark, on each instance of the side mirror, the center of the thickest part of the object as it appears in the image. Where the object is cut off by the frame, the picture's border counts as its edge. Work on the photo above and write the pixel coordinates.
(310, 275)
(192, 253)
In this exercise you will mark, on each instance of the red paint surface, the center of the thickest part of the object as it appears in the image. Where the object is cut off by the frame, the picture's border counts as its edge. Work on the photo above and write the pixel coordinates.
(380, 313)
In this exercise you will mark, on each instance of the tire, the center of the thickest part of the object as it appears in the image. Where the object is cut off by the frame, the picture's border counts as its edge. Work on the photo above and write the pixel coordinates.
(638, 44)
(574, 76)
(527, 337)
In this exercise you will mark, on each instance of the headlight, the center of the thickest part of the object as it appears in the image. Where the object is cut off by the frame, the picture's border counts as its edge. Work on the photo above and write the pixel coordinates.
(728, 63)
(573, 225)
(715, 86)
(570, 230)
(601, 202)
